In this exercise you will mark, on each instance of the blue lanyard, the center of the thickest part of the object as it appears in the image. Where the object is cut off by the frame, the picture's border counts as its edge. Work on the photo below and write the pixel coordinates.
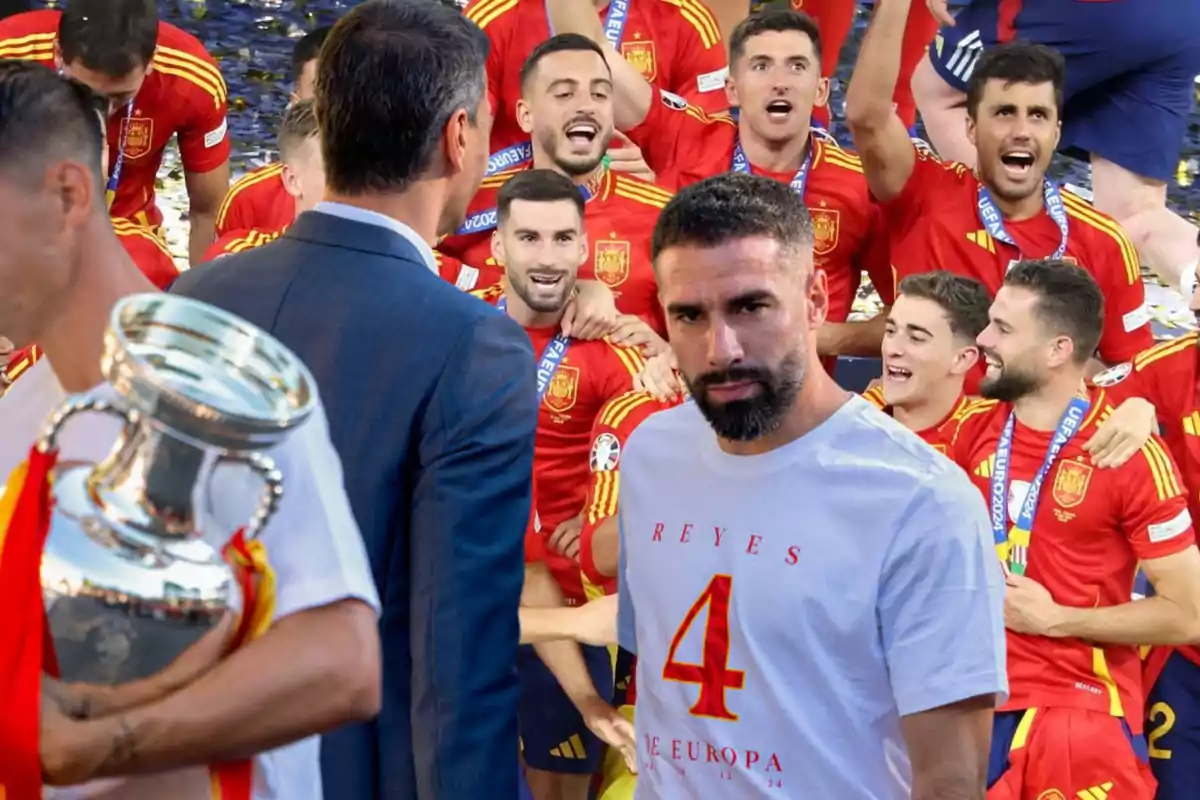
(551, 357)
(614, 22)
(485, 220)
(993, 220)
(742, 164)
(509, 158)
(114, 177)
(1012, 545)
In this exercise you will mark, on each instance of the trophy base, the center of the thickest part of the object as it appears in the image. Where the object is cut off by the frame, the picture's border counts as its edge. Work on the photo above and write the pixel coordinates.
(120, 604)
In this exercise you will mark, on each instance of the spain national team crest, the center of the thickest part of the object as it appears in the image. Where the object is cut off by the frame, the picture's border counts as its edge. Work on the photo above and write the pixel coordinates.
(825, 229)
(606, 453)
(138, 134)
(1071, 483)
(563, 390)
(612, 261)
(641, 56)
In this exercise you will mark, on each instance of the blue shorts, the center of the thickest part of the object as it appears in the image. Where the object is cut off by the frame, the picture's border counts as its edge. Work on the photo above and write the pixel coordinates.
(553, 735)
(1173, 729)
(1131, 65)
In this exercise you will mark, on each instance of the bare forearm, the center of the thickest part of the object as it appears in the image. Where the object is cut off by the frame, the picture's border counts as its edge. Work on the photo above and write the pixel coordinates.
(1155, 620)
(312, 672)
(201, 234)
(860, 338)
(606, 547)
(869, 95)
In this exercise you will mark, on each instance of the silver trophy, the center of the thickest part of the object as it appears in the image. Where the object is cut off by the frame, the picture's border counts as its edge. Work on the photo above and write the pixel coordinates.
(133, 574)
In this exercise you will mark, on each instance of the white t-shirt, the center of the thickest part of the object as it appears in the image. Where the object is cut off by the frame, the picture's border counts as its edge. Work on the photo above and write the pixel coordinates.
(817, 592)
(313, 544)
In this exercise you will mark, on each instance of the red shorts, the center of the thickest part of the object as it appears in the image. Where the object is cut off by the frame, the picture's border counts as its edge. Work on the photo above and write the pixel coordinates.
(1068, 753)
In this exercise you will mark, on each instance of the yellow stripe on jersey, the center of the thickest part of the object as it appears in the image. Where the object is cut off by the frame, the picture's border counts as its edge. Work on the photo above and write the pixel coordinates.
(874, 396)
(617, 410)
(489, 293)
(30, 38)
(250, 241)
(1081, 211)
(499, 179)
(245, 182)
(485, 12)
(1166, 485)
(701, 19)
(126, 228)
(1098, 409)
(630, 357)
(193, 70)
(646, 194)
(607, 489)
(1100, 668)
(25, 50)
(1164, 349)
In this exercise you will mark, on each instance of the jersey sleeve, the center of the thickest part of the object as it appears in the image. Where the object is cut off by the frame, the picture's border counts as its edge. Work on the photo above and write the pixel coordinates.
(624, 364)
(1119, 272)
(238, 209)
(203, 133)
(923, 189)
(496, 18)
(1164, 375)
(700, 75)
(674, 130)
(617, 419)
(1154, 512)
(941, 599)
(874, 396)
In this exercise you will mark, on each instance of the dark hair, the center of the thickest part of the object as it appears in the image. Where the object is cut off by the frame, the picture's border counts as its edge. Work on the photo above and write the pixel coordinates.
(536, 186)
(307, 48)
(45, 117)
(114, 37)
(561, 43)
(1069, 301)
(964, 300)
(769, 20)
(392, 73)
(1017, 62)
(732, 206)
(299, 124)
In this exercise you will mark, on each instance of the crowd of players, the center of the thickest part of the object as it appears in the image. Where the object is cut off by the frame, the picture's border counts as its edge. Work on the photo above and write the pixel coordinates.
(598, 120)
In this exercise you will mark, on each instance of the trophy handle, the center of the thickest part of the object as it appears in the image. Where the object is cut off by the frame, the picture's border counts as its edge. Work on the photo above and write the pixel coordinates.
(272, 478)
(81, 405)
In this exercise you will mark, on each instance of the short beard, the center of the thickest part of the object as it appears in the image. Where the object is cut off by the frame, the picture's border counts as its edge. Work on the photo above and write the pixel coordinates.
(1010, 386)
(755, 417)
(541, 305)
(574, 169)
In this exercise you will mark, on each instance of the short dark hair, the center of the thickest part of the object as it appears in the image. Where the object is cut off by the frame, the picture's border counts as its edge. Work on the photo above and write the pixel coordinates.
(769, 20)
(1017, 62)
(559, 43)
(298, 125)
(44, 117)
(1069, 301)
(429, 58)
(114, 37)
(732, 206)
(965, 301)
(307, 48)
(536, 186)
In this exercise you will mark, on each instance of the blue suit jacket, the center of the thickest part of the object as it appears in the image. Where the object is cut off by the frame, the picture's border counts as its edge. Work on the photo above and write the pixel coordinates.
(431, 405)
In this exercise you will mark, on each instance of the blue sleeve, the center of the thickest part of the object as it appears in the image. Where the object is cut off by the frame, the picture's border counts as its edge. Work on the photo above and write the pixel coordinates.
(469, 513)
(941, 599)
(626, 624)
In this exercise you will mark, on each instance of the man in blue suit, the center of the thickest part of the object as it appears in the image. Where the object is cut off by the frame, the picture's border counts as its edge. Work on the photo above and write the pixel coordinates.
(430, 395)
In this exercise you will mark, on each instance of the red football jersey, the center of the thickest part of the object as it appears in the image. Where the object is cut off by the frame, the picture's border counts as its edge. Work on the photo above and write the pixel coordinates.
(239, 242)
(589, 375)
(183, 96)
(148, 252)
(683, 146)
(619, 417)
(257, 200)
(675, 44)
(1091, 528)
(936, 225)
(965, 414)
(464, 276)
(19, 361)
(535, 543)
(619, 220)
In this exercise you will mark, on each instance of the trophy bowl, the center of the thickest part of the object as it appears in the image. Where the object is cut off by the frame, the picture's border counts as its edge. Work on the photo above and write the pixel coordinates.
(133, 571)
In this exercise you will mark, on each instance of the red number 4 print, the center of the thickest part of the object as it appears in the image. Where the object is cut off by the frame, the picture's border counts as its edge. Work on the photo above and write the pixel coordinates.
(713, 674)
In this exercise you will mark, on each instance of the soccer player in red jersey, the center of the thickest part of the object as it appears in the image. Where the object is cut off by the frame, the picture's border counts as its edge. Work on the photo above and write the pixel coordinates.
(302, 175)
(676, 44)
(260, 199)
(944, 216)
(540, 240)
(567, 110)
(161, 84)
(148, 252)
(1072, 537)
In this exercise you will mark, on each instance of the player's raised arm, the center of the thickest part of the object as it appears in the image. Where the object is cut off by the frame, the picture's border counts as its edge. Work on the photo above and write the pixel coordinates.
(632, 94)
(879, 135)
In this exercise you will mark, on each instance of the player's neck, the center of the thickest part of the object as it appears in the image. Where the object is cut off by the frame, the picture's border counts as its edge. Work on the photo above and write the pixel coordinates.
(773, 156)
(1017, 210)
(591, 180)
(1042, 410)
(72, 338)
(420, 206)
(525, 316)
(923, 413)
(818, 400)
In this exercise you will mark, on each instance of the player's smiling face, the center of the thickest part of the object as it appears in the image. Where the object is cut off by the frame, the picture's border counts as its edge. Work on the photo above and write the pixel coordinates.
(1015, 346)
(921, 354)
(567, 108)
(1015, 131)
(541, 245)
(775, 84)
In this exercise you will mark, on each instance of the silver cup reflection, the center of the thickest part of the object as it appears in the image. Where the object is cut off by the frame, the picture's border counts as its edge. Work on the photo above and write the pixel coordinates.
(132, 572)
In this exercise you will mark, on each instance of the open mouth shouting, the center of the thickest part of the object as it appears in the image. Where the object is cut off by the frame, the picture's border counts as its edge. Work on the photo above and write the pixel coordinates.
(897, 374)
(779, 110)
(546, 280)
(1017, 163)
(581, 134)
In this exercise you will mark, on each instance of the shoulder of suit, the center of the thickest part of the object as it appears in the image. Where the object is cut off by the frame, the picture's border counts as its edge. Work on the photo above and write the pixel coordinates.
(640, 191)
